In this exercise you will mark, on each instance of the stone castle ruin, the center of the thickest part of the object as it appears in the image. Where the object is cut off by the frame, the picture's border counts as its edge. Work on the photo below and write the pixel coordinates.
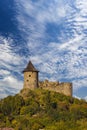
(31, 81)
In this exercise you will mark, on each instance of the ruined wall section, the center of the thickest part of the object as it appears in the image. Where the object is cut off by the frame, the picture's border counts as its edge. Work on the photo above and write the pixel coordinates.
(64, 88)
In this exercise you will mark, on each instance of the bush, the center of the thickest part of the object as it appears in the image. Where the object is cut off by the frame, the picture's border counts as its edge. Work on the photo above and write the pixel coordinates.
(11, 104)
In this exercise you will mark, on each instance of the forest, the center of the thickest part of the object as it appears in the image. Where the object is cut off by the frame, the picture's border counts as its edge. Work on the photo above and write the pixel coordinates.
(43, 110)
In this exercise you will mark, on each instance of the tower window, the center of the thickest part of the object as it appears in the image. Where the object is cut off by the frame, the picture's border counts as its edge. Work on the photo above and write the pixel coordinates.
(29, 75)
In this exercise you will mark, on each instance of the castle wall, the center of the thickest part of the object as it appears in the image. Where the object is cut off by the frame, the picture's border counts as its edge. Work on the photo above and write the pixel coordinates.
(31, 80)
(64, 88)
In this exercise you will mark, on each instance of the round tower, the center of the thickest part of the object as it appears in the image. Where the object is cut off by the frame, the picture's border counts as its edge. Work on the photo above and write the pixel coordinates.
(30, 76)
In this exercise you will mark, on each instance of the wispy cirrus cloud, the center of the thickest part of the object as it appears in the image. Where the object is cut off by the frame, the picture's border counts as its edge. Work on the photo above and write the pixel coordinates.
(64, 59)
(7, 54)
(10, 69)
(55, 38)
(42, 11)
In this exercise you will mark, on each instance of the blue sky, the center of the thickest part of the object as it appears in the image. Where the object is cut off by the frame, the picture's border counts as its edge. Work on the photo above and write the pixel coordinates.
(52, 34)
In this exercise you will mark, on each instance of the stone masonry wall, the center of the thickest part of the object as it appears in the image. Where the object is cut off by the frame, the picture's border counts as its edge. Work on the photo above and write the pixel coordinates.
(64, 88)
(31, 80)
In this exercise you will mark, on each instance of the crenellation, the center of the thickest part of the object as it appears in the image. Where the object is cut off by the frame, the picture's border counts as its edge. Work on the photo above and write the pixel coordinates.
(64, 87)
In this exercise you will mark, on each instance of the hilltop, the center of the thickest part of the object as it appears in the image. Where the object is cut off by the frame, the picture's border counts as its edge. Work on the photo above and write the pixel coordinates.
(43, 110)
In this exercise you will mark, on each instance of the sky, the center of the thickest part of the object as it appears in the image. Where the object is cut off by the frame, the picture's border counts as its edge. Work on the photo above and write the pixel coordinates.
(50, 33)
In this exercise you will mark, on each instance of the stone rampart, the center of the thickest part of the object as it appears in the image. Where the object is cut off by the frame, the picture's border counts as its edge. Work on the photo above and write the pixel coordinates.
(64, 88)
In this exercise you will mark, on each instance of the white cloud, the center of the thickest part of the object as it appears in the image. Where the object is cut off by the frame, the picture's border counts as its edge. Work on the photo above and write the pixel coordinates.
(77, 97)
(12, 82)
(5, 51)
(9, 63)
(85, 98)
(43, 11)
(4, 72)
(8, 58)
(3, 95)
(51, 58)
(79, 83)
(10, 85)
(54, 58)
(73, 44)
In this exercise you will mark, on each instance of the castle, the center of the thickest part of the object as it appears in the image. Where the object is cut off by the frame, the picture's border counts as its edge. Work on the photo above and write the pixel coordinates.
(31, 81)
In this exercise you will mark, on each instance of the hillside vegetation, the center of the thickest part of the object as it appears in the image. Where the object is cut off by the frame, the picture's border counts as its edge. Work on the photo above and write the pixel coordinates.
(43, 110)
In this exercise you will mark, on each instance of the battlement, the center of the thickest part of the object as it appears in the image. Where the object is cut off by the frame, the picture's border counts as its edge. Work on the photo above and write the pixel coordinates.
(31, 81)
(64, 87)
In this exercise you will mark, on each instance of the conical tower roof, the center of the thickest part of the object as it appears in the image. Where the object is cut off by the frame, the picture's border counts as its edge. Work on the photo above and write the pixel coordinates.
(30, 67)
